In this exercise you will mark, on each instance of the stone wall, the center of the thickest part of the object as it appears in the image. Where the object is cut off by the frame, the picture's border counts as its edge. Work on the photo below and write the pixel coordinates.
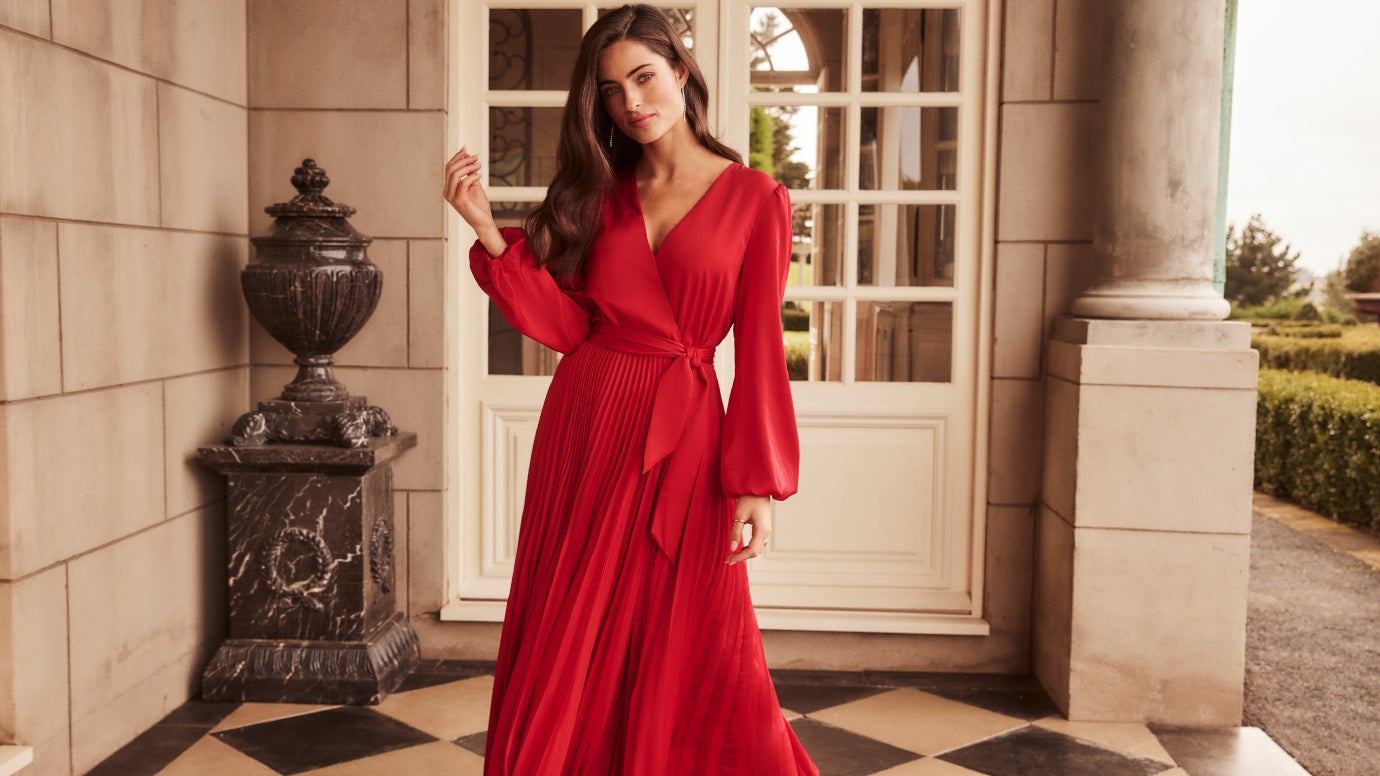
(124, 344)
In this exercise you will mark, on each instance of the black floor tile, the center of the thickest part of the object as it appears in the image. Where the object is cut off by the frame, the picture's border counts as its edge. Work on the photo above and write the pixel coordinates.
(433, 672)
(931, 681)
(836, 678)
(809, 698)
(1033, 750)
(150, 752)
(838, 752)
(322, 738)
(474, 742)
(202, 714)
(1021, 704)
(1226, 752)
(162, 743)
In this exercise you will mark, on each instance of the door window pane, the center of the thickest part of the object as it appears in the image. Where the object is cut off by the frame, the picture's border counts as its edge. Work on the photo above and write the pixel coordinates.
(905, 342)
(817, 247)
(799, 145)
(906, 245)
(813, 332)
(533, 49)
(522, 145)
(908, 148)
(910, 50)
(803, 48)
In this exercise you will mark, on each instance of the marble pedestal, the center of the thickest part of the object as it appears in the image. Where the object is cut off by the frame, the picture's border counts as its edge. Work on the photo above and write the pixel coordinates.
(311, 579)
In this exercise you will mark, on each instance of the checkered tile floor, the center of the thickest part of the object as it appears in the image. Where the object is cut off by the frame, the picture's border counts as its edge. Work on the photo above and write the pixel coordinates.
(852, 723)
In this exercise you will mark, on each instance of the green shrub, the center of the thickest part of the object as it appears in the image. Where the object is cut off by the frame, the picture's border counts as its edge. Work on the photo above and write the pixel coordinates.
(793, 319)
(1284, 310)
(1355, 355)
(1317, 441)
(797, 355)
(1306, 312)
(1303, 331)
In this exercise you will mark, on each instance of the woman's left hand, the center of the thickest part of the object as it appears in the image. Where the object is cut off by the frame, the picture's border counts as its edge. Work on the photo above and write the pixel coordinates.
(754, 511)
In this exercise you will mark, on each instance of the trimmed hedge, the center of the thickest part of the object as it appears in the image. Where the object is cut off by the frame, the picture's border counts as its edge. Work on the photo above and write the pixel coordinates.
(1355, 355)
(1317, 442)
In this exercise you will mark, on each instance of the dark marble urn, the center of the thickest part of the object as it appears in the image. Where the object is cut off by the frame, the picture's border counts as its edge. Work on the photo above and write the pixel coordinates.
(312, 286)
(310, 481)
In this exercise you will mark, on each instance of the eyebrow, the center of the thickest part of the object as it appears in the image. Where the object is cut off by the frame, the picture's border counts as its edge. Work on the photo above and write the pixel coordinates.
(629, 75)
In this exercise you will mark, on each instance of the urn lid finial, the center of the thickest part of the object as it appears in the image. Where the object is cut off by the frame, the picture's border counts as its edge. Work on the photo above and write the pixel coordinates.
(310, 180)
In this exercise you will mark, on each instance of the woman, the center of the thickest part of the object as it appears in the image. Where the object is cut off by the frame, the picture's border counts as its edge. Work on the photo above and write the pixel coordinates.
(629, 643)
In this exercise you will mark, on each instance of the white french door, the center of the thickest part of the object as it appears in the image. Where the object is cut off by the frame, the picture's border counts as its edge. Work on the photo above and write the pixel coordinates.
(877, 116)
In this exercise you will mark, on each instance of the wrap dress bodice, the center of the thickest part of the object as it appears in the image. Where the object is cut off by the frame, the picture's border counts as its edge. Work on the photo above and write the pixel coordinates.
(723, 265)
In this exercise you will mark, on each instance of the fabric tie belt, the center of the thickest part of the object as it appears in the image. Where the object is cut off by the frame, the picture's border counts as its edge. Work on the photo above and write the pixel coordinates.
(683, 393)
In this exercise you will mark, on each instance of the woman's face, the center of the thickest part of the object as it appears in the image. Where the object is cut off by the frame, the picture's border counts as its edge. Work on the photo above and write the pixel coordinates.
(640, 90)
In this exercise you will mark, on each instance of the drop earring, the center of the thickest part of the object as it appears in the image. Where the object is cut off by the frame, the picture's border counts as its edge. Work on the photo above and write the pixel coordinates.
(684, 106)
(610, 134)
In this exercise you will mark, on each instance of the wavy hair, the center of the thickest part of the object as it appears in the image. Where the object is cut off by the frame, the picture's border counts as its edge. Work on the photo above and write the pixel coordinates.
(562, 227)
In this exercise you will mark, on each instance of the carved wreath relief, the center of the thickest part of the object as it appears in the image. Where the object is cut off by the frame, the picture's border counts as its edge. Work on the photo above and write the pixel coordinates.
(303, 591)
(381, 555)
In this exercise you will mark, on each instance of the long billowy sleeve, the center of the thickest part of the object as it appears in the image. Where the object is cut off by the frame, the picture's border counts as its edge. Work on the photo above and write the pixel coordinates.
(761, 445)
(528, 296)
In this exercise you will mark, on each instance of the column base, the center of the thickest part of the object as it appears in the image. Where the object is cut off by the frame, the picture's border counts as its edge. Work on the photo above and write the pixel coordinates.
(304, 671)
(1143, 534)
(1174, 300)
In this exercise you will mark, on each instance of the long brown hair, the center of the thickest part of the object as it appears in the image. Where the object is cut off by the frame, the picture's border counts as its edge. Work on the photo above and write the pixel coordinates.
(562, 227)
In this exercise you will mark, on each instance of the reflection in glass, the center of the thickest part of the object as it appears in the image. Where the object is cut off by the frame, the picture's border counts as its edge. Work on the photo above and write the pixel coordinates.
(906, 245)
(510, 352)
(813, 333)
(905, 342)
(910, 50)
(802, 48)
(908, 148)
(522, 145)
(799, 145)
(510, 213)
(533, 49)
(683, 19)
(817, 247)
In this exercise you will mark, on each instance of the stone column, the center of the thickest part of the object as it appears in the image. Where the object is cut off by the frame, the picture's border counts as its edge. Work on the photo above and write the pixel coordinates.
(1143, 532)
(1161, 105)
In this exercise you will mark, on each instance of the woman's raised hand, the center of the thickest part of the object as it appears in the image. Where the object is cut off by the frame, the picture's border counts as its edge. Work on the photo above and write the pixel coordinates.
(464, 193)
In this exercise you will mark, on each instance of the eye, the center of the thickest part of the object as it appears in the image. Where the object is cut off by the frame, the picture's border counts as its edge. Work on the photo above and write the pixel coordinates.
(643, 77)
(609, 91)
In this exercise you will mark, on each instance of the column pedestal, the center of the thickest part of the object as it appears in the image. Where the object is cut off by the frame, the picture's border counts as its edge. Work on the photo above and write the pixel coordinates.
(1143, 534)
(312, 599)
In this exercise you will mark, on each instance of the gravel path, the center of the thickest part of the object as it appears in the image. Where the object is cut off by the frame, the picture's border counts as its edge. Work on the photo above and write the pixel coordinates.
(1313, 651)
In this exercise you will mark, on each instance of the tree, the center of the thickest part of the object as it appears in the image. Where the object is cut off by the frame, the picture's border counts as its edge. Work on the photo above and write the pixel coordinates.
(761, 141)
(1260, 265)
(1363, 263)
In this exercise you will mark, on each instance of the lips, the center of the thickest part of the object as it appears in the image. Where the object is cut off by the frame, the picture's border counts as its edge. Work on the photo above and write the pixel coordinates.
(640, 121)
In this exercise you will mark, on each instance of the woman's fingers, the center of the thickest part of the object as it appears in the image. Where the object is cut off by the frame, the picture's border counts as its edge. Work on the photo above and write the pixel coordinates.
(756, 545)
(460, 166)
(459, 179)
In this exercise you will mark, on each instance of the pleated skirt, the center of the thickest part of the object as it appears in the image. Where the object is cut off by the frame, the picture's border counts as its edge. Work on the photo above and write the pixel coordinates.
(612, 659)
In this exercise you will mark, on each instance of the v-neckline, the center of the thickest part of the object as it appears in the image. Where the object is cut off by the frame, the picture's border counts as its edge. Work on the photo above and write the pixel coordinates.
(642, 216)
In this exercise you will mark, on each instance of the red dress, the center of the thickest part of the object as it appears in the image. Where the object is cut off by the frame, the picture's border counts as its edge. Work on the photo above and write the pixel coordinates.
(628, 645)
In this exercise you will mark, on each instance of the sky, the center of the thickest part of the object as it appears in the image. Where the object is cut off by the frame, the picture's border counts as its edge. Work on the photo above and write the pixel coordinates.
(1305, 135)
